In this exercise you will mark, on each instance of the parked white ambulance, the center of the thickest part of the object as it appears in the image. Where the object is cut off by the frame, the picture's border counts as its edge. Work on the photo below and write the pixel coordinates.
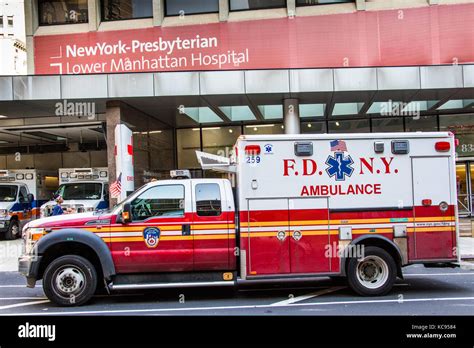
(82, 189)
(21, 193)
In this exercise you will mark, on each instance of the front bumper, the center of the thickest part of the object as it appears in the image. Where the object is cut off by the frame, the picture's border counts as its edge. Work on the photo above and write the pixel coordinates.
(28, 265)
(4, 225)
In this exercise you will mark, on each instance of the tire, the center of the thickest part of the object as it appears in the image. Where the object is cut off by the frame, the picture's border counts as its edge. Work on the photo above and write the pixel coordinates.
(70, 280)
(13, 231)
(374, 274)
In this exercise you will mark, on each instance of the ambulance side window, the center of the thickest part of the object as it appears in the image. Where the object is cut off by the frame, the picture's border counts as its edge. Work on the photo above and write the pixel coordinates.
(208, 200)
(23, 196)
(159, 201)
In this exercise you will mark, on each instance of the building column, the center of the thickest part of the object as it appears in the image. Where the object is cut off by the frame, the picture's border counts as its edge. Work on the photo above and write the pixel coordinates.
(94, 14)
(291, 8)
(223, 10)
(360, 5)
(112, 119)
(158, 12)
(291, 116)
(31, 25)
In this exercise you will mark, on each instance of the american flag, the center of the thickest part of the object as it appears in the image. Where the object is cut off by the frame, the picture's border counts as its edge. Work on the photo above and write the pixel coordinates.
(338, 145)
(116, 187)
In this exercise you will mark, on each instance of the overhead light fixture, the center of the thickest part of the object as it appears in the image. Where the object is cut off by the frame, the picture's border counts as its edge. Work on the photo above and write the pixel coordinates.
(155, 132)
(309, 125)
(231, 131)
(3, 116)
(261, 126)
(208, 128)
(337, 123)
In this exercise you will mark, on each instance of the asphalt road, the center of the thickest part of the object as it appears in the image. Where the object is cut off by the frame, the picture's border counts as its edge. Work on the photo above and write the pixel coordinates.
(422, 292)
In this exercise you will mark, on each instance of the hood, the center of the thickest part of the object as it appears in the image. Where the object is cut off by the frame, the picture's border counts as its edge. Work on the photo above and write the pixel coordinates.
(69, 220)
(83, 202)
(6, 205)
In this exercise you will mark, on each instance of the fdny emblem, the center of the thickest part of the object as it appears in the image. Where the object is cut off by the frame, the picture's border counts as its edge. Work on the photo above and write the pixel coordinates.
(339, 166)
(151, 236)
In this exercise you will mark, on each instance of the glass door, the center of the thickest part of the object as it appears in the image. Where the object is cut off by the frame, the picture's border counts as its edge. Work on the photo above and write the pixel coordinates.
(462, 180)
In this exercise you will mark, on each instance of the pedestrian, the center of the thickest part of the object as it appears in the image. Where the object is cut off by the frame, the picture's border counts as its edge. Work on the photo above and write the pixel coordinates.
(57, 209)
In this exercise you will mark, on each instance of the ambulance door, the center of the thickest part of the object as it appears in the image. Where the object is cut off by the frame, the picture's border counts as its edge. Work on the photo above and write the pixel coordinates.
(434, 211)
(158, 239)
(268, 238)
(309, 235)
(210, 228)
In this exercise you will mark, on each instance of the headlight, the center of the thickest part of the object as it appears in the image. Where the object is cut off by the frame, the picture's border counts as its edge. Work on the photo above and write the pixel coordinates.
(3, 213)
(35, 233)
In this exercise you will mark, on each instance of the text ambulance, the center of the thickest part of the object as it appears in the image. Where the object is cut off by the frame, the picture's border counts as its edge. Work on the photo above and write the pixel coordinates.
(359, 206)
(82, 189)
(21, 194)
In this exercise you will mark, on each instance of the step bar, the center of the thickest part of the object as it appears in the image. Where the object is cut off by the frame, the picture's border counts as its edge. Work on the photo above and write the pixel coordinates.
(144, 286)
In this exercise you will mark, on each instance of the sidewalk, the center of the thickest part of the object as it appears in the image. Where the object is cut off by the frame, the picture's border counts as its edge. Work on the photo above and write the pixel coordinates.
(466, 247)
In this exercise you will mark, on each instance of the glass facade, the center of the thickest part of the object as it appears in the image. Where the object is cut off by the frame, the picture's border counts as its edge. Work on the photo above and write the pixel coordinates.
(53, 12)
(239, 5)
(126, 9)
(463, 128)
(185, 7)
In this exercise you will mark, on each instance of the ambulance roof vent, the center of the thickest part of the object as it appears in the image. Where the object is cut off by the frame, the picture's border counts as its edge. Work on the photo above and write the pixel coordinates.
(180, 174)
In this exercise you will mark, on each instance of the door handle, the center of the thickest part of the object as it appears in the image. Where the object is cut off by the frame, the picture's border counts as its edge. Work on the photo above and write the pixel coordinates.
(186, 230)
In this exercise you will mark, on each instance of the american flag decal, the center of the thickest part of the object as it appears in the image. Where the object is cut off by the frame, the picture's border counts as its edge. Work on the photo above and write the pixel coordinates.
(338, 145)
(116, 187)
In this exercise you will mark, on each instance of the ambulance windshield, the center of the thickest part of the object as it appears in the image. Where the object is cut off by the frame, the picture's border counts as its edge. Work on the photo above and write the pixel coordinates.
(8, 193)
(80, 190)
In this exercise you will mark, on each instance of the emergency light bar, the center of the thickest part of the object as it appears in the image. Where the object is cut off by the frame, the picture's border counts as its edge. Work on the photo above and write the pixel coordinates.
(180, 173)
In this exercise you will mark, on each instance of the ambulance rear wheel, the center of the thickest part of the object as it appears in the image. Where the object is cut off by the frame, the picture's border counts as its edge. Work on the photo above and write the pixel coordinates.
(13, 231)
(70, 280)
(374, 274)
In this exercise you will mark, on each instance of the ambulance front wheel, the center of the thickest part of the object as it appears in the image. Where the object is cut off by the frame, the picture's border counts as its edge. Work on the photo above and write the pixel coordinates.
(70, 280)
(373, 274)
(13, 231)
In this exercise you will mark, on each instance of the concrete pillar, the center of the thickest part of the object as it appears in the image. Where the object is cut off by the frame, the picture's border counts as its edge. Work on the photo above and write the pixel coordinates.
(158, 12)
(291, 116)
(223, 10)
(112, 119)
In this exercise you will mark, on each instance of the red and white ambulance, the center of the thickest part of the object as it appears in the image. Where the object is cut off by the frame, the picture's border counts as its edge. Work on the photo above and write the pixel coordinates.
(359, 206)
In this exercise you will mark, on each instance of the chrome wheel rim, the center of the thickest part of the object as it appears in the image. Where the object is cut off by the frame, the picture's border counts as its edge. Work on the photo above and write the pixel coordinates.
(69, 280)
(372, 272)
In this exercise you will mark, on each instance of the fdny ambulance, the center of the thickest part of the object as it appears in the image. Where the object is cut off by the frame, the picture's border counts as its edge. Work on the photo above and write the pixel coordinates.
(82, 189)
(21, 194)
(359, 206)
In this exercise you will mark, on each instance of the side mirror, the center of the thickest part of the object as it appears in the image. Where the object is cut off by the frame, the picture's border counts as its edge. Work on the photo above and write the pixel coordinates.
(30, 198)
(126, 213)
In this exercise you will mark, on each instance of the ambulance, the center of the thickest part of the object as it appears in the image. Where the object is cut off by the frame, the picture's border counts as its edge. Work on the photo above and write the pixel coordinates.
(292, 208)
(82, 189)
(21, 194)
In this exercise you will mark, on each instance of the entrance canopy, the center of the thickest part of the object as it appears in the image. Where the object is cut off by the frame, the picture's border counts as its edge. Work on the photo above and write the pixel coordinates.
(187, 99)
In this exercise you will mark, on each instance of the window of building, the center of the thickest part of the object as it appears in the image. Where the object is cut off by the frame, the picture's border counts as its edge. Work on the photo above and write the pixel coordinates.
(239, 5)
(1, 21)
(113, 10)
(208, 200)
(185, 7)
(387, 124)
(188, 141)
(53, 12)
(421, 124)
(219, 140)
(313, 127)
(349, 126)
(264, 129)
(159, 201)
(10, 21)
(320, 2)
(463, 128)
